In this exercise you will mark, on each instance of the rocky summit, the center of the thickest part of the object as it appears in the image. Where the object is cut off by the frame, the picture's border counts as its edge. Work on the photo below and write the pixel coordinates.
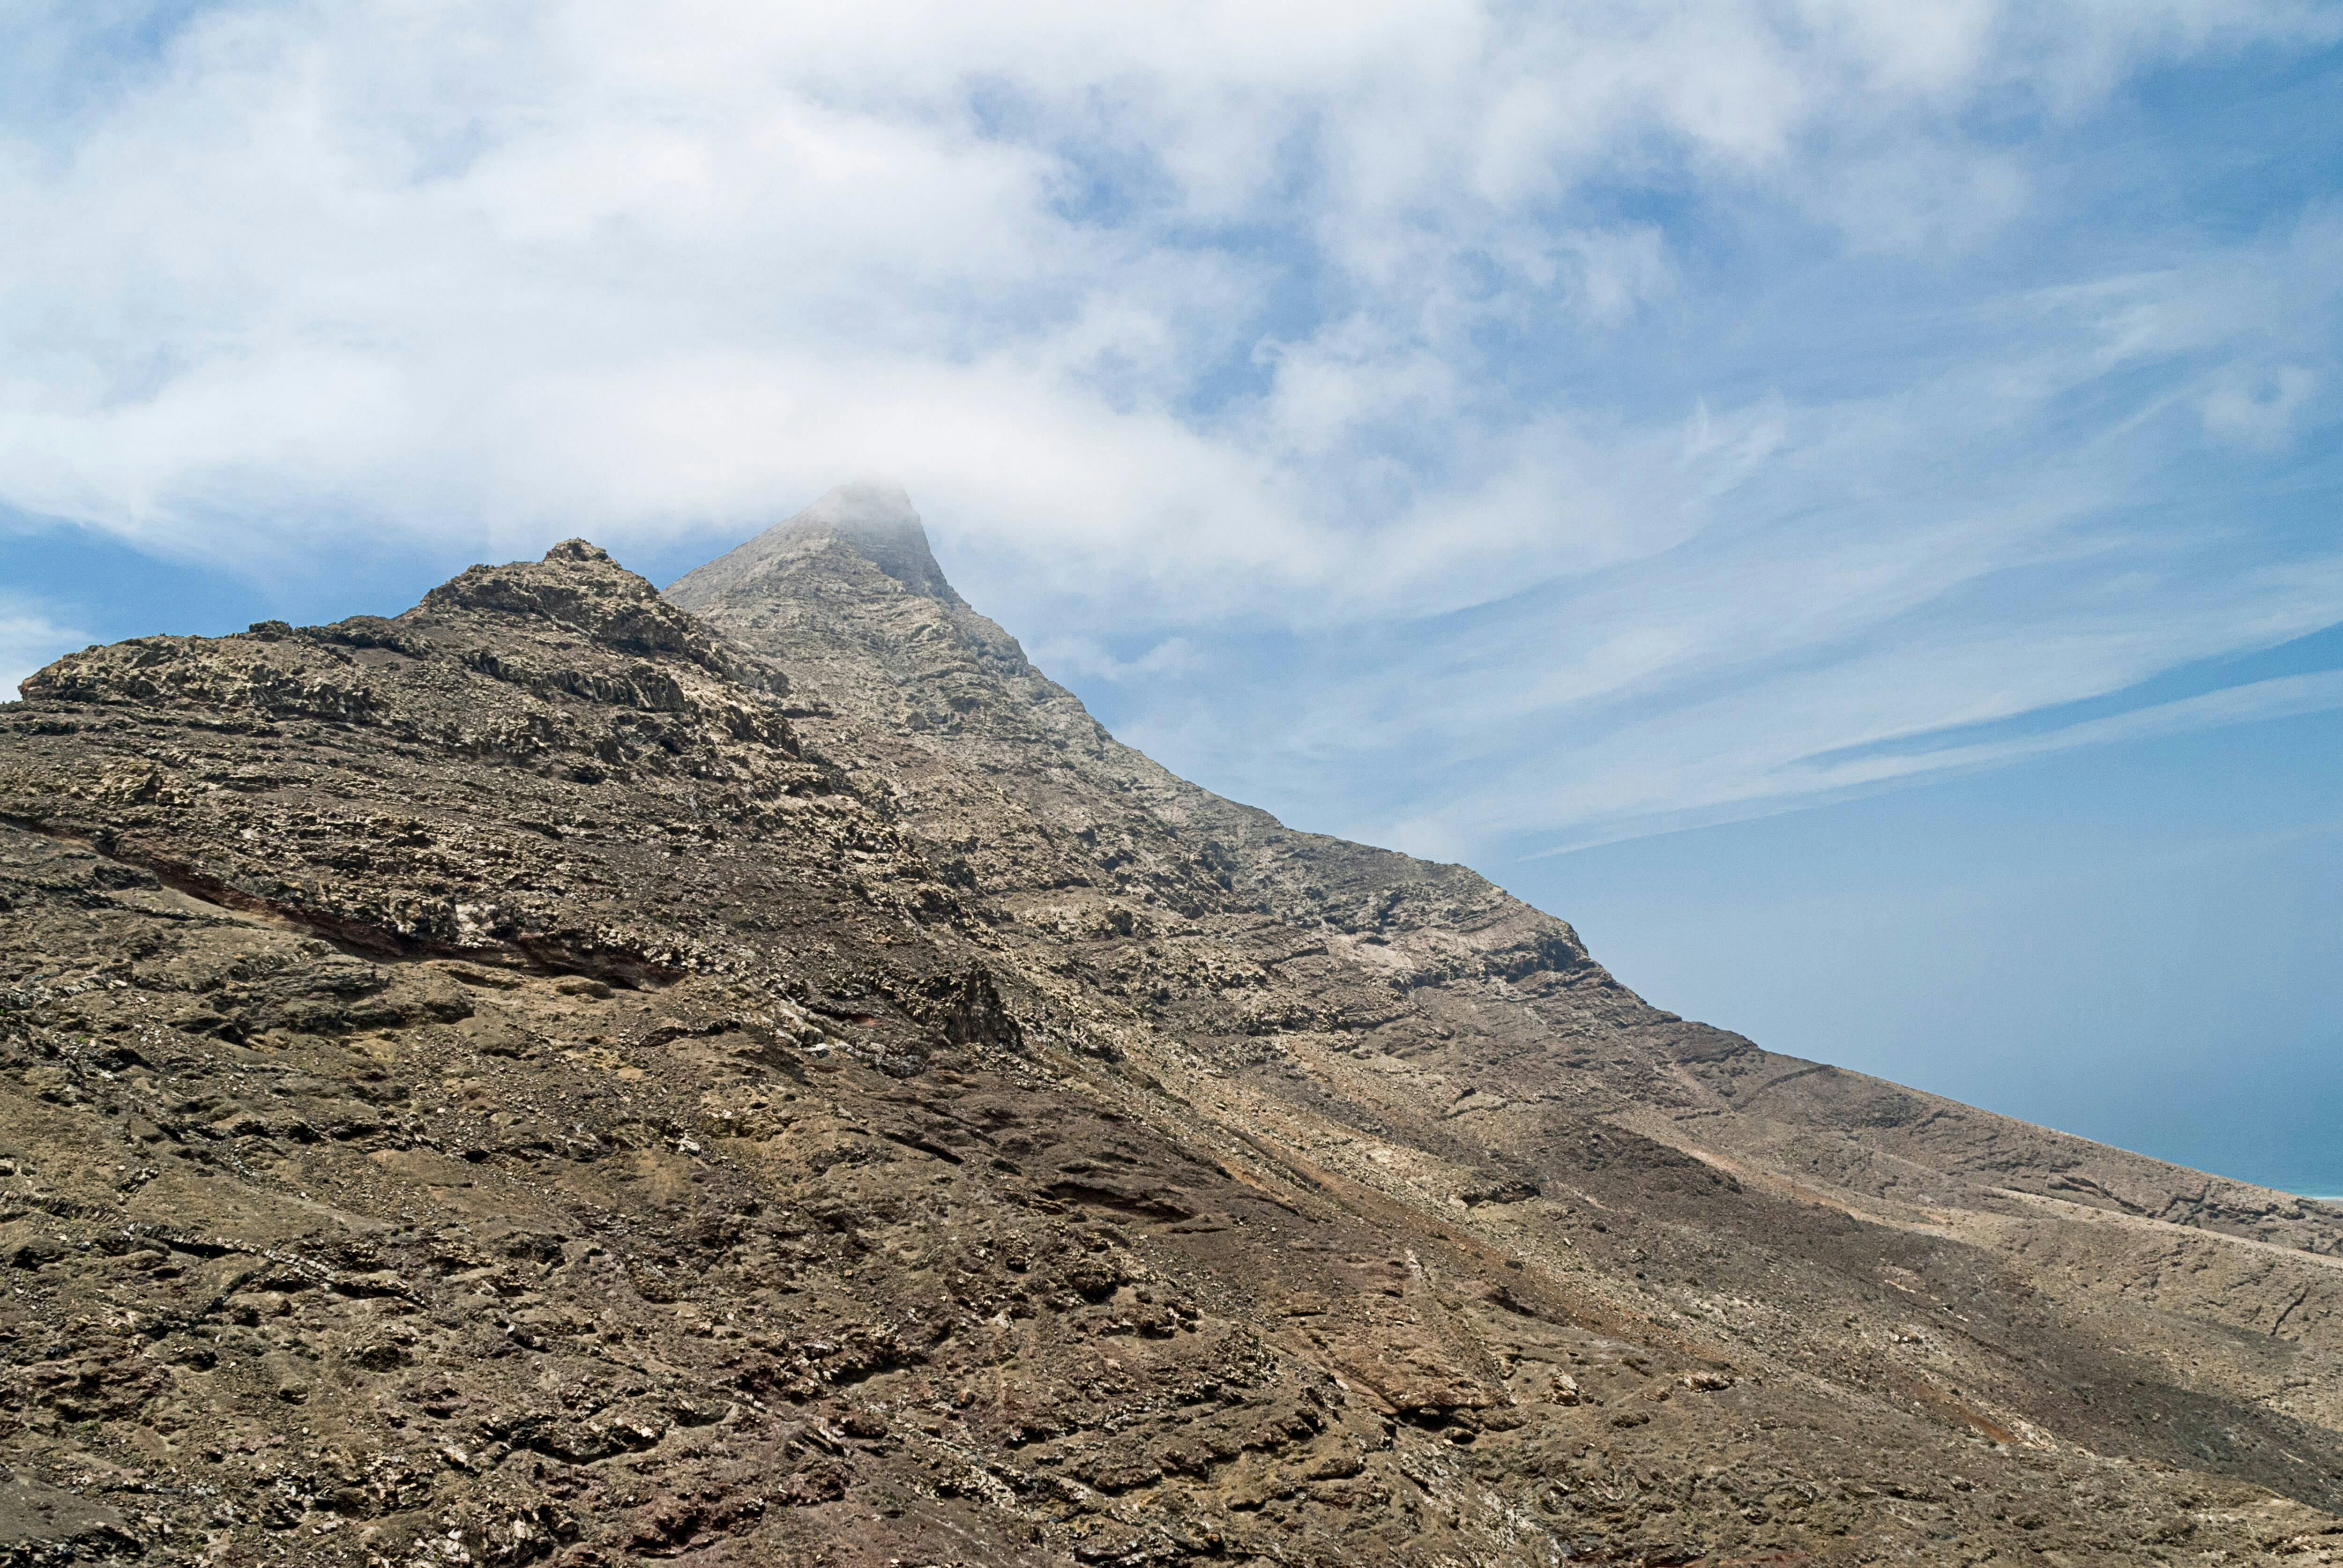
(755, 1074)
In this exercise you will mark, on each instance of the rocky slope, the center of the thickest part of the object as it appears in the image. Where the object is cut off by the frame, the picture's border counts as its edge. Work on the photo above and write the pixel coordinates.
(759, 1075)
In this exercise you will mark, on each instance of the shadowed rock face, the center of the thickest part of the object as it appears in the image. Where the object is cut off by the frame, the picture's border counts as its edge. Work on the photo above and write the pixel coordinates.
(759, 1075)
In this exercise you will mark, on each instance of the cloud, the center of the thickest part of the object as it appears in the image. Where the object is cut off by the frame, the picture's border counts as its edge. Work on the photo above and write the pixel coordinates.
(2256, 407)
(1592, 377)
(1085, 659)
(30, 639)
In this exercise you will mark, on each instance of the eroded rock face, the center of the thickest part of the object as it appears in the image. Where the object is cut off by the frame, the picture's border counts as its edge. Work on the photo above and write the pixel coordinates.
(760, 1076)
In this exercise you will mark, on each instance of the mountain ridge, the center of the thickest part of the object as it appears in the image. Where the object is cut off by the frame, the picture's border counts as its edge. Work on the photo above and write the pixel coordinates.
(757, 1074)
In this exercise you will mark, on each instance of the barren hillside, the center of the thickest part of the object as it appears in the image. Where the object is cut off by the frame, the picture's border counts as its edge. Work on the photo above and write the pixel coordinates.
(759, 1075)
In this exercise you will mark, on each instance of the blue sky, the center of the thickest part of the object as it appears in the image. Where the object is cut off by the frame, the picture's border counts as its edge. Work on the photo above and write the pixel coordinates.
(1839, 499)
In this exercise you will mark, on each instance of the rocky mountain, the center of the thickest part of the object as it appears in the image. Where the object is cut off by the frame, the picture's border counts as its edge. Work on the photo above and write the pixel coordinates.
(568, 1074)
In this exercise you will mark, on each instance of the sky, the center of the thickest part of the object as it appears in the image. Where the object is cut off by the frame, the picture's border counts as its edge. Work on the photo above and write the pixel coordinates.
(1842, 501)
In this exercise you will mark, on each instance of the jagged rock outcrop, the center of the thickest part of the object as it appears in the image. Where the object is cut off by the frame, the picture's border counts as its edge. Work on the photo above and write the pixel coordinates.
(757, 1075)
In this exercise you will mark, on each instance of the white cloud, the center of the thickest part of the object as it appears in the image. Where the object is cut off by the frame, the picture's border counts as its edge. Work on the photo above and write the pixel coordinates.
(1179, 316)
(1086, 659)
(30, 639)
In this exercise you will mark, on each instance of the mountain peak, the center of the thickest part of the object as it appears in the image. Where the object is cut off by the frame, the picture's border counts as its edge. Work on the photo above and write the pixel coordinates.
(523, 949)
(863, 507)
(873, 518)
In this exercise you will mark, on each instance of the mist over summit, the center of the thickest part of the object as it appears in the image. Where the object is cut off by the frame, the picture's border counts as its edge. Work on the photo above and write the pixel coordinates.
(873, 518)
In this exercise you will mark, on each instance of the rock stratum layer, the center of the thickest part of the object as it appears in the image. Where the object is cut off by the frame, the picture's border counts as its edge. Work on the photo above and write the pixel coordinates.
(758, 1075)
